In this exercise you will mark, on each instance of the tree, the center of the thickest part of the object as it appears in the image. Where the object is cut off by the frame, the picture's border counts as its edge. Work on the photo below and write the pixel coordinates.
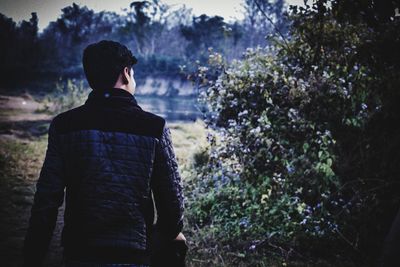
(17, 51)
(64, 39)
(264, 17)
(205, 32)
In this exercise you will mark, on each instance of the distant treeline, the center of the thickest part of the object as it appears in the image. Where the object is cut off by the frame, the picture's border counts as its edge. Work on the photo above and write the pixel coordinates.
(167, 41)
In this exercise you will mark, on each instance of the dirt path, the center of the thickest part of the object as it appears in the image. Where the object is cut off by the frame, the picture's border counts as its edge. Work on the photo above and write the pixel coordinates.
(22, 147)
(21, 117)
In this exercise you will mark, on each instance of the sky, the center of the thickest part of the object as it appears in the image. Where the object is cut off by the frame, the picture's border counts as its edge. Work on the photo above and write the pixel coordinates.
(50, 10)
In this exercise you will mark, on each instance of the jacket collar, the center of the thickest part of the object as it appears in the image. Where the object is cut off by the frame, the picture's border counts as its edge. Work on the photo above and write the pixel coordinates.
(111, 96)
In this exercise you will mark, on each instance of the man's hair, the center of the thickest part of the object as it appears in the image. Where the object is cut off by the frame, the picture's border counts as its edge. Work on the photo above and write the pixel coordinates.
(104, 61)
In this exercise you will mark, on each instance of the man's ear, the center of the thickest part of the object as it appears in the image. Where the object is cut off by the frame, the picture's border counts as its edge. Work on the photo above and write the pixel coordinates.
(125, 75)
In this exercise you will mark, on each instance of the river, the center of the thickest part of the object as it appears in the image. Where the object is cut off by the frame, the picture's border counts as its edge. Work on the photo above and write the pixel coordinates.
(173, 109)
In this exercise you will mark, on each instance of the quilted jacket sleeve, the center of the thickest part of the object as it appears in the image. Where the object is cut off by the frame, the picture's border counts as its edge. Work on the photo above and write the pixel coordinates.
(48, 198)
(167, 188)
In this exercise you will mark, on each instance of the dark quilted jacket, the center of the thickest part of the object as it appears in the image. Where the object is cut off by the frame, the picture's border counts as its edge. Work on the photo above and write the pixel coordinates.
(109, 156)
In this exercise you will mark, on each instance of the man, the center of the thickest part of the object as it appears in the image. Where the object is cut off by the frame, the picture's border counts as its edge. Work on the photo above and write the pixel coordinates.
(391, 246)
(113, 159)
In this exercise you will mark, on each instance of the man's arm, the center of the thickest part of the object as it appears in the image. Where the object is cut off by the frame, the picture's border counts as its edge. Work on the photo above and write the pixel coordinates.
(167, 188)
(48, 198)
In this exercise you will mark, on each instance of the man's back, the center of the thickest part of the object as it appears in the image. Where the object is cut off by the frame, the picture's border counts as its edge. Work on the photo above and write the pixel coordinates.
(110, 155)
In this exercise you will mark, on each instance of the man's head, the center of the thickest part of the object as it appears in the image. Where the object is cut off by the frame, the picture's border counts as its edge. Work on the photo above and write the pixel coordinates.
(108, 64)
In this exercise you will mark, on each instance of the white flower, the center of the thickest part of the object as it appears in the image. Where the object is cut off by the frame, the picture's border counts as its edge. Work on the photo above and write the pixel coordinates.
(255, 130)
(364, 106)
(244, 112)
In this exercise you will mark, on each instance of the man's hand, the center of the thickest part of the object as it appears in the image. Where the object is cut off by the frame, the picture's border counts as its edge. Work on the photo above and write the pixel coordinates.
(180, 237)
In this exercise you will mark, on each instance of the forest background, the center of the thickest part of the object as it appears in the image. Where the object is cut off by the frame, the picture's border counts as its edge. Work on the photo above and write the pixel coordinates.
(293, 159)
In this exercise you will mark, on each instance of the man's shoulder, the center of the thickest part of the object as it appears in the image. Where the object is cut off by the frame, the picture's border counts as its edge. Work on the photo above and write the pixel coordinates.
(154, 121)
(153, 117)
(137, 121)
(64, 116)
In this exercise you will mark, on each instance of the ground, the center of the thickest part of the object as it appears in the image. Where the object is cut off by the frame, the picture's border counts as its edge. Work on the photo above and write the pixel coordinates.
(23, 141)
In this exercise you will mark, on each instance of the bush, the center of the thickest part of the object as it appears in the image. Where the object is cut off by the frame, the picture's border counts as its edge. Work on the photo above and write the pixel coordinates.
(297, 123)
(67, 95)
(271, 169)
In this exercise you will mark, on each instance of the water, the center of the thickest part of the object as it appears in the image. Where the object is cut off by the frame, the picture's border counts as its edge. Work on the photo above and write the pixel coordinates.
(173, 109)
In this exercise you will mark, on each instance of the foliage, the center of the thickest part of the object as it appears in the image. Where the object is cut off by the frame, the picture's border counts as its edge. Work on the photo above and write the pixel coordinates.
(270, 171)
(301, 151)
(158, 66)
(16, 47)
(154, 31)
(264, 17)
(67, 95)
(204, 32)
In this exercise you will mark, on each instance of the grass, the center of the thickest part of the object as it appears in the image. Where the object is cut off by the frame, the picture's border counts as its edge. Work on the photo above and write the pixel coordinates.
(188, 139)
(21, 158)
(20, 163)
(9, 112)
